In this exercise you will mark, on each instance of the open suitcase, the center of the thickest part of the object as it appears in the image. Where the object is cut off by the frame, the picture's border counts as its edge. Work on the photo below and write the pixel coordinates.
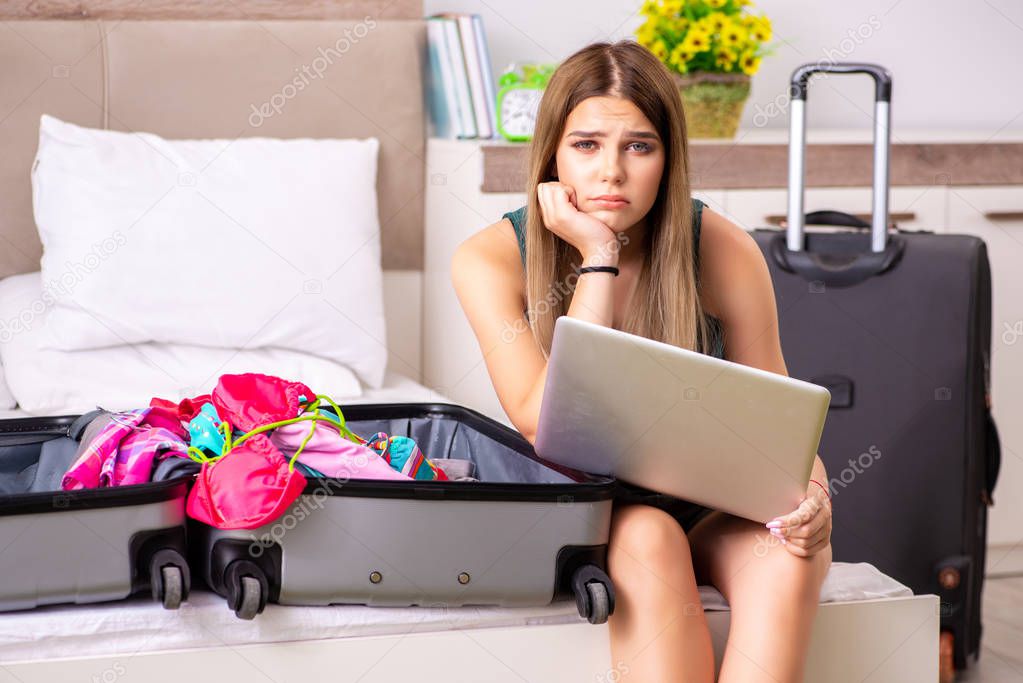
(898, 327)
(82, 546)
(527, 533)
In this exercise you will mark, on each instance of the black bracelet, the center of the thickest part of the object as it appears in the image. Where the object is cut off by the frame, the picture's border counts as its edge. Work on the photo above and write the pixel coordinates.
(599, 269)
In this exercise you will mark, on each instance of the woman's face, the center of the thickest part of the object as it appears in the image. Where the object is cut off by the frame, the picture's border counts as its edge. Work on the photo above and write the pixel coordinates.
(609, 147)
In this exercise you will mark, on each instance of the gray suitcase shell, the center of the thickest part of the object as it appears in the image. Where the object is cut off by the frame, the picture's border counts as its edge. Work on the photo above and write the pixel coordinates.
(527, 533)
(82, 546)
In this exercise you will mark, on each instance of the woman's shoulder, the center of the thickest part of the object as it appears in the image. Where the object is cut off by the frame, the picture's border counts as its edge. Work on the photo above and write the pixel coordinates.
(719, 236)
(728, 257)
(494, 247)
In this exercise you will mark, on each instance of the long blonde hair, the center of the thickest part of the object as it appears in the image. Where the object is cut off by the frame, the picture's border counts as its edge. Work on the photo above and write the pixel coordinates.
(666, 304)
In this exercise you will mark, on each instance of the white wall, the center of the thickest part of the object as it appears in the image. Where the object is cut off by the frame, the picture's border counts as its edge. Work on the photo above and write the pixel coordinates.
(955, 64)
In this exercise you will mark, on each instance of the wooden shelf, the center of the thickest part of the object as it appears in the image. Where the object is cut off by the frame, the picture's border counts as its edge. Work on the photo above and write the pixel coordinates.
(744, 165)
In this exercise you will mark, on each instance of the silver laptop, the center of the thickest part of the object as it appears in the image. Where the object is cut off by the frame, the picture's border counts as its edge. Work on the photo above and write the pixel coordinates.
(714, 432)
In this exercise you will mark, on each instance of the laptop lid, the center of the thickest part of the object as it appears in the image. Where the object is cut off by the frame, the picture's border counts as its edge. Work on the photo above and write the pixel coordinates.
(714, 432)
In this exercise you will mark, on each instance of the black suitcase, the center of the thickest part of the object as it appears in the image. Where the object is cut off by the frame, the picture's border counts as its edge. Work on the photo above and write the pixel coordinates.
(898, 327)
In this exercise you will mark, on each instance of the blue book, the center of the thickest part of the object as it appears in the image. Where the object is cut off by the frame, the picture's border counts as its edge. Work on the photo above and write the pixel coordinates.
(440, 88)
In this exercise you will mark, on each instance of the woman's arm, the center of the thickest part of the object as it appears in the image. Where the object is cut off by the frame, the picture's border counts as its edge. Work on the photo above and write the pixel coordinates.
(487, 274)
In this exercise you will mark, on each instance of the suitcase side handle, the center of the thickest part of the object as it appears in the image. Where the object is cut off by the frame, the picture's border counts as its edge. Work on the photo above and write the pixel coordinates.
(797, 147)
(840, 218)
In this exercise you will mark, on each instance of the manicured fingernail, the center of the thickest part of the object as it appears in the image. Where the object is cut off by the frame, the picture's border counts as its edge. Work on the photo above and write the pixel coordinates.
(778, 533)
(784, 542)
(774, 524)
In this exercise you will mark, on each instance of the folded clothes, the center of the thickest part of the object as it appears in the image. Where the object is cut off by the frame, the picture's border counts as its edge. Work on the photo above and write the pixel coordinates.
(329, 454)
(402, 453)
(251, 443)
(125, 450)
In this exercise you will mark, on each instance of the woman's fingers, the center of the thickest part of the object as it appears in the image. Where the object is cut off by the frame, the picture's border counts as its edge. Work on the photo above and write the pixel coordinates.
(550, 195)
(810, 528)
(543, 195)
(809, 550)
(561, 202)
(808, 541)
(570, 192)
(800, 515)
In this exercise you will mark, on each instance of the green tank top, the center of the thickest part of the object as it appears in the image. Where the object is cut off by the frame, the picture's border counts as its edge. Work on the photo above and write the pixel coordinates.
(518, 221)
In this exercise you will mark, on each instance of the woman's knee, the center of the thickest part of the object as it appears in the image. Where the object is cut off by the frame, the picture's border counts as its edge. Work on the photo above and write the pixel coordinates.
(648, 536)
(792, 577)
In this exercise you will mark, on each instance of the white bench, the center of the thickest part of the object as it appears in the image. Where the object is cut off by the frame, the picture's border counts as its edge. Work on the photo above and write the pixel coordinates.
(868, 629)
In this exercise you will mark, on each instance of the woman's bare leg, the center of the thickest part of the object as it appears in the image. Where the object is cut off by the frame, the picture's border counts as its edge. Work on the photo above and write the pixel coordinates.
(658, 630)
(773, 596)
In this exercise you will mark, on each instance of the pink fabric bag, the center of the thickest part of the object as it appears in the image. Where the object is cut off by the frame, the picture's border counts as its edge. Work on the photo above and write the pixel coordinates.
(248, 488)
(252, 485)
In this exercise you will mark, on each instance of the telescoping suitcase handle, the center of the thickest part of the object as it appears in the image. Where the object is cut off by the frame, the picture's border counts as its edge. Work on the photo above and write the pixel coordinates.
(797, 148)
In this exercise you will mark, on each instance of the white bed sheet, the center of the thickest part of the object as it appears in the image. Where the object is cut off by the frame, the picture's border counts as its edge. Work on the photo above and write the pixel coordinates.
(140, 625)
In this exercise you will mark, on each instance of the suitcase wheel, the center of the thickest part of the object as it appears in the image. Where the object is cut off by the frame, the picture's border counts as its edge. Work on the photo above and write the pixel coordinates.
(247, 589)
(599, 602)
(169, 578)
(173, 586)
(594, 597)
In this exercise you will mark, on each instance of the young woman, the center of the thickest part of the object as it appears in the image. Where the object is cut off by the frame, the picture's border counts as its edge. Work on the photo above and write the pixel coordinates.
(608, 188)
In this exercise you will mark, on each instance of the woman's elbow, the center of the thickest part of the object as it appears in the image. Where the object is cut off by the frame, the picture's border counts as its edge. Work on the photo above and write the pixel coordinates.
(529, 434)
(525, 424)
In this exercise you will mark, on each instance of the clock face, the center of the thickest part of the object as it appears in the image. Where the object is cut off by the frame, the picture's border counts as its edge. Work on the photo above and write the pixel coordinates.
(518, 111)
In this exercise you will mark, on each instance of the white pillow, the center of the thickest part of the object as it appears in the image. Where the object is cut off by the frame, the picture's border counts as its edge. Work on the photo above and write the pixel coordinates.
(247, 243)
(48, 381)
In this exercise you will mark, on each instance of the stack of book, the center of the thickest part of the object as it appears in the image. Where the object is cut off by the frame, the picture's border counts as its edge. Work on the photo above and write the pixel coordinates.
(461, 94)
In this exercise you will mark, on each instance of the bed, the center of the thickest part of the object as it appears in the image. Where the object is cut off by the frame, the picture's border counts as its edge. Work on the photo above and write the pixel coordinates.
(186, 69)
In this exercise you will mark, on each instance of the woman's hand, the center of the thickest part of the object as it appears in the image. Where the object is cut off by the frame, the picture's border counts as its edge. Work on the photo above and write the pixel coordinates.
(806, 530)
(592, 237)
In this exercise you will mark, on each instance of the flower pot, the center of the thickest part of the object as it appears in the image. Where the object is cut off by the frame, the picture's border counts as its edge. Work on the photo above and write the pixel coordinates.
(713, 102)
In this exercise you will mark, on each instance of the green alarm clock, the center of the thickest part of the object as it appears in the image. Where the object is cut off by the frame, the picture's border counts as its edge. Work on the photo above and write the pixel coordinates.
(518, 100)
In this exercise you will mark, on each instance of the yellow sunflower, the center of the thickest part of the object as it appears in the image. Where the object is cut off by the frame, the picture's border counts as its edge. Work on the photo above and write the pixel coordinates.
(761, 30)
(696, 41)
(679, 24)
(749, 62)
(725, 58)
(717, 4)
(733, 35)
(674, 7)
(648, 8)
(659, 49)
(716, 21)
(679, 58)
(646, 34)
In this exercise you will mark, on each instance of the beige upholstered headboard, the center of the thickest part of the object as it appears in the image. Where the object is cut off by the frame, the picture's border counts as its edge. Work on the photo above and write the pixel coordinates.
(202, 69)
(185, 68)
